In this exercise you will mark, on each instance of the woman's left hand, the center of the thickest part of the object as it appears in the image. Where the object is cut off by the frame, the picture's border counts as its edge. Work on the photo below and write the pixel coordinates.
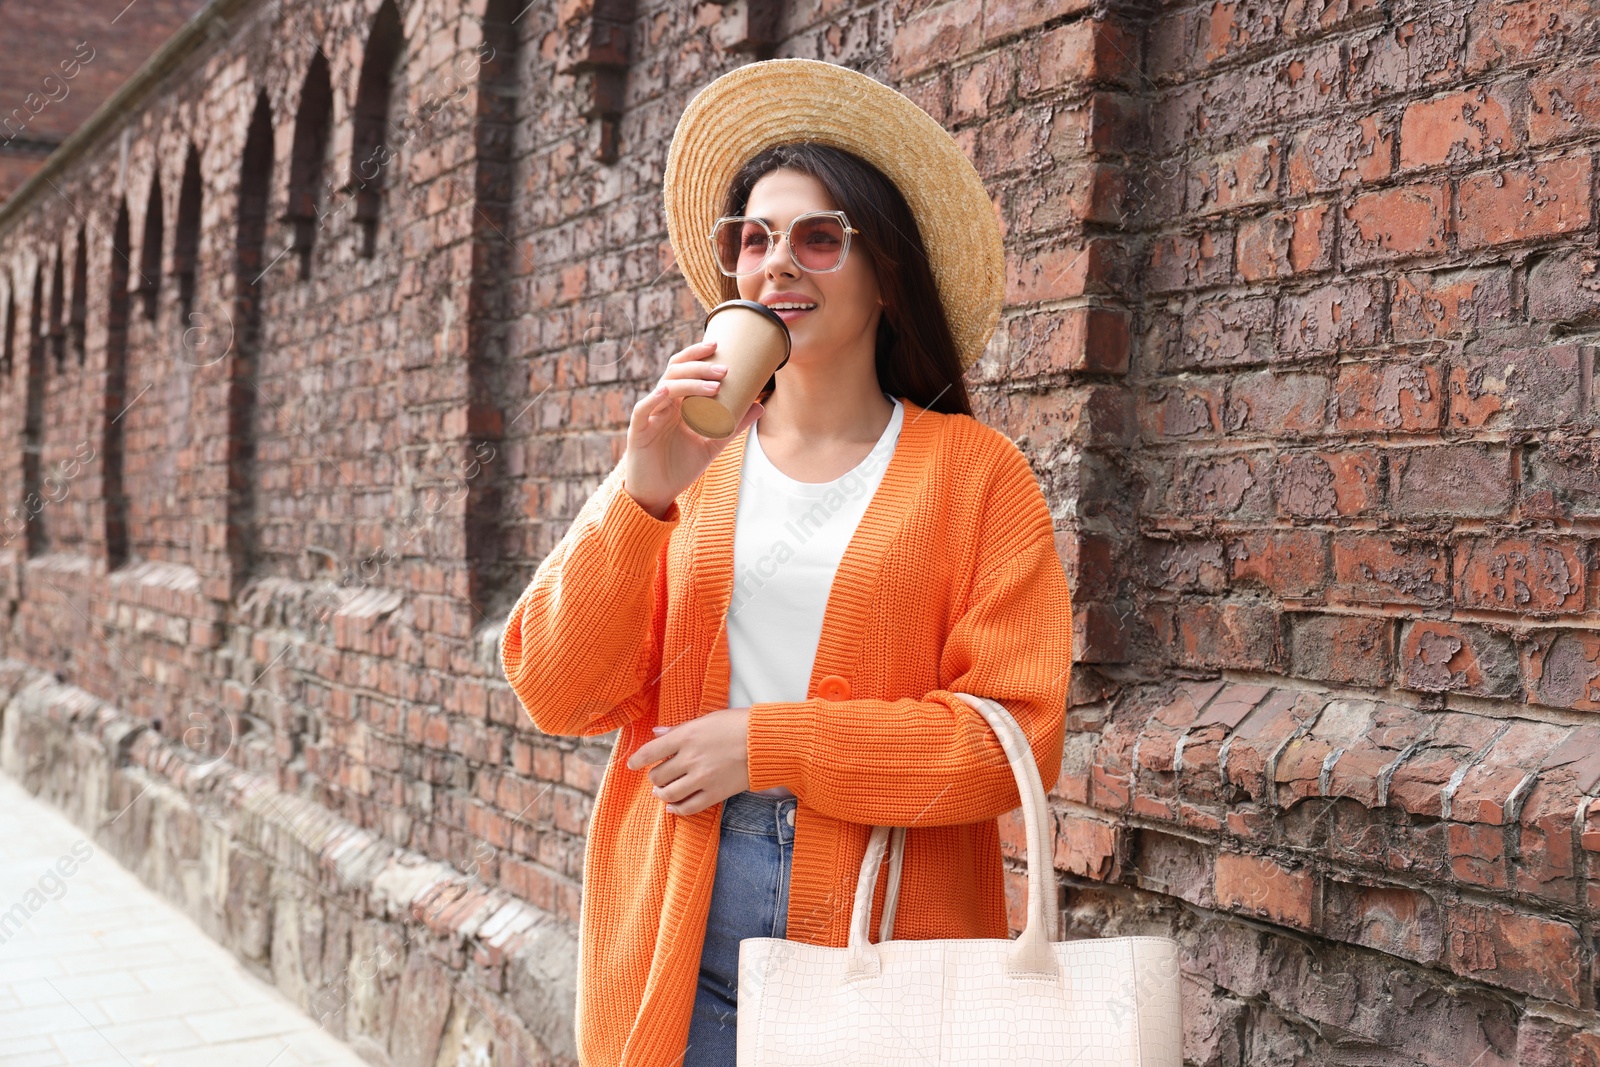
(703, 761)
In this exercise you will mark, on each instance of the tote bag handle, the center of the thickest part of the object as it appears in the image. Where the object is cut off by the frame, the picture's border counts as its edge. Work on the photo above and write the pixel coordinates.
(1030, 954)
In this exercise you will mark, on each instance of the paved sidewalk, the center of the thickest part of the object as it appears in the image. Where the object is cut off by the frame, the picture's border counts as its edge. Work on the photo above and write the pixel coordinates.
(98, 971)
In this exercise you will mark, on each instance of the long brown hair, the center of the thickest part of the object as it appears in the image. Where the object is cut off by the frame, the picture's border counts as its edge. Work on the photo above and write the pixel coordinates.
(915, 354)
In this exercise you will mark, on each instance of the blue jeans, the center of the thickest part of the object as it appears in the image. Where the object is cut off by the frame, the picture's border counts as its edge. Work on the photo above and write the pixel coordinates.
(750, 898)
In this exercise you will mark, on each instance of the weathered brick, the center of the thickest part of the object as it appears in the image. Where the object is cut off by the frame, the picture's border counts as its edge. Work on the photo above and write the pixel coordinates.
(1563, 669)
(1172, 864)
(1099, 635)
(1361, 768)
(1302, 83)
(1334, 318)
(1564, 103)
(1277, 487)
(1287, 243)
(1236, 178)
(1068, 339)
(982, 87)
(1259, 885)
(1189, 261)
(1188, 566)
(1388, 396)
(1439, 656)
(1524, 202)
(1302, 764)
(1269, 404)
(1002, 18)
(1535, 955)
(1170, 44)
(1506, 32)
(1458, 128)
(1329, 484)
(1484, 793)
(1089, 51)
(1209, 634)
(1378, 568)
(1086, 848)
(1227, 332)
(1109, 123)
(1158, 754)
(1563, 289)
(1287, 563)
(1544, 1040)
(1529, 388)
(935, 35)
(1232, 485)
(1228, 28)
(1450, 303)
(1342, 648)
(1478, 855)
(1420, 49)
(1340, 153)
(1174, 711)
(1015, 142)
(1247, 753)
(1407, 220)
(1562, 479)
(1184, 409)
(1060, 272)
(1303, 18)
(1461, 480)
(1519, 574)
(1088, 558)
(1393, 919)
(1548, 869)
(1419, 783)
(1200, 775)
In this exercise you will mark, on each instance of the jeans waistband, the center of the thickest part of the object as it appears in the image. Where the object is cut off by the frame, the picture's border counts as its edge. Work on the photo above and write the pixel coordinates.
(771, 817)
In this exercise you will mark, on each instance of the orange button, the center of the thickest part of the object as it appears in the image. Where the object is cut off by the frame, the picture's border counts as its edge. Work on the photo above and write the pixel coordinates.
(834, 687)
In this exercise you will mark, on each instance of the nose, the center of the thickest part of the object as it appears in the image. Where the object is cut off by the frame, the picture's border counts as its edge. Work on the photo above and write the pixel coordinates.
(790, 267)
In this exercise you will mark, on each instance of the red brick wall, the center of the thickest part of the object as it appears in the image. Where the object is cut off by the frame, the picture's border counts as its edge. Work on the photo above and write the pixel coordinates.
(60, 63)
(1296, 336)
(1365, 390)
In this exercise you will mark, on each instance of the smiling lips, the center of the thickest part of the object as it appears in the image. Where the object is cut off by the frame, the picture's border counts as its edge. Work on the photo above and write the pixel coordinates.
(789, 308)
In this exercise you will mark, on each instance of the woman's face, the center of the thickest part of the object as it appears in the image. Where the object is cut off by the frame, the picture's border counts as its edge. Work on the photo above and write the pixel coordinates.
(847, 299)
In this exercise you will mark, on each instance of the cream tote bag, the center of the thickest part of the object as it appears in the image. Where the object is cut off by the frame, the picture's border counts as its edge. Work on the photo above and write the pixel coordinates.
(972, 1002)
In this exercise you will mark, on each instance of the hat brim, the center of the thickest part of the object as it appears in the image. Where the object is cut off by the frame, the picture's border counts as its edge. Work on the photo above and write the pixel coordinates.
(776, 101)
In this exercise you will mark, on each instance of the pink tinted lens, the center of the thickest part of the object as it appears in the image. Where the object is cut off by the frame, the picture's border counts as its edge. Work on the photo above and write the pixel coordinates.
(818, 242)
(740, 245)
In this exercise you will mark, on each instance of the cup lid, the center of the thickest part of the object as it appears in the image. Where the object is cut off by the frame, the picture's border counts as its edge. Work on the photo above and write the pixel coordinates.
(756, 305)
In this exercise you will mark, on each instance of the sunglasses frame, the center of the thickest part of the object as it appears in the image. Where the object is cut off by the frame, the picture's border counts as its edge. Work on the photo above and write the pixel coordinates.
(772, 241)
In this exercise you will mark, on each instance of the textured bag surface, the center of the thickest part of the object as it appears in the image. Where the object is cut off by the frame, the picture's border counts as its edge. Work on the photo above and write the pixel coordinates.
(1031, 1002)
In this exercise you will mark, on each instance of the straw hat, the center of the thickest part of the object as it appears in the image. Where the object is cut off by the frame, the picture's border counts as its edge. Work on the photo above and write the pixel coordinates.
(758, 105)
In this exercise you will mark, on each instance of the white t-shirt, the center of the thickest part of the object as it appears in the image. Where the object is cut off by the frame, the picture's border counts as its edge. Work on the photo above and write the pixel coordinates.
(788, 539)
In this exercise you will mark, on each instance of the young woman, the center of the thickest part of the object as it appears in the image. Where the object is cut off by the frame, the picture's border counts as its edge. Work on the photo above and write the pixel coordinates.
(779, 621)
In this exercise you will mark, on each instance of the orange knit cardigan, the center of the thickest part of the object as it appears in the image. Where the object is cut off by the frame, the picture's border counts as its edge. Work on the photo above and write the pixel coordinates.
(951, 583)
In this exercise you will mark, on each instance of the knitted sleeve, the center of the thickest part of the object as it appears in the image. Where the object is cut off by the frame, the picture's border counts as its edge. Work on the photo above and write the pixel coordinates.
(936, 761)
(582, 646)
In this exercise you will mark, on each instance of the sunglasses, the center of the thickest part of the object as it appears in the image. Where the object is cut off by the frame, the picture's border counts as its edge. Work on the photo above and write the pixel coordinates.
(818, 241)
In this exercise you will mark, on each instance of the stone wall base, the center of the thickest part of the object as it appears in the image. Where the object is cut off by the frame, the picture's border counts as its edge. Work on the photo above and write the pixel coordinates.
(408, 960)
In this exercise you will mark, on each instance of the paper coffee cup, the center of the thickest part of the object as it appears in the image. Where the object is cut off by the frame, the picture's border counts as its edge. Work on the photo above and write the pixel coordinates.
(752, 342)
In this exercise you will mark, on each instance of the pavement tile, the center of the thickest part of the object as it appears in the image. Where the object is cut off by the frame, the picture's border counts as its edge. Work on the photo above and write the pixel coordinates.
(96, 970)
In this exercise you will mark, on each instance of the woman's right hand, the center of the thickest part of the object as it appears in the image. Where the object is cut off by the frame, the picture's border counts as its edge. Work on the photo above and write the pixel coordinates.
(664, 454)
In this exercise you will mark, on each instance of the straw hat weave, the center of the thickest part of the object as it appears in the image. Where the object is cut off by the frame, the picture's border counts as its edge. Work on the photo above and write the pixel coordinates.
(776, 101)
